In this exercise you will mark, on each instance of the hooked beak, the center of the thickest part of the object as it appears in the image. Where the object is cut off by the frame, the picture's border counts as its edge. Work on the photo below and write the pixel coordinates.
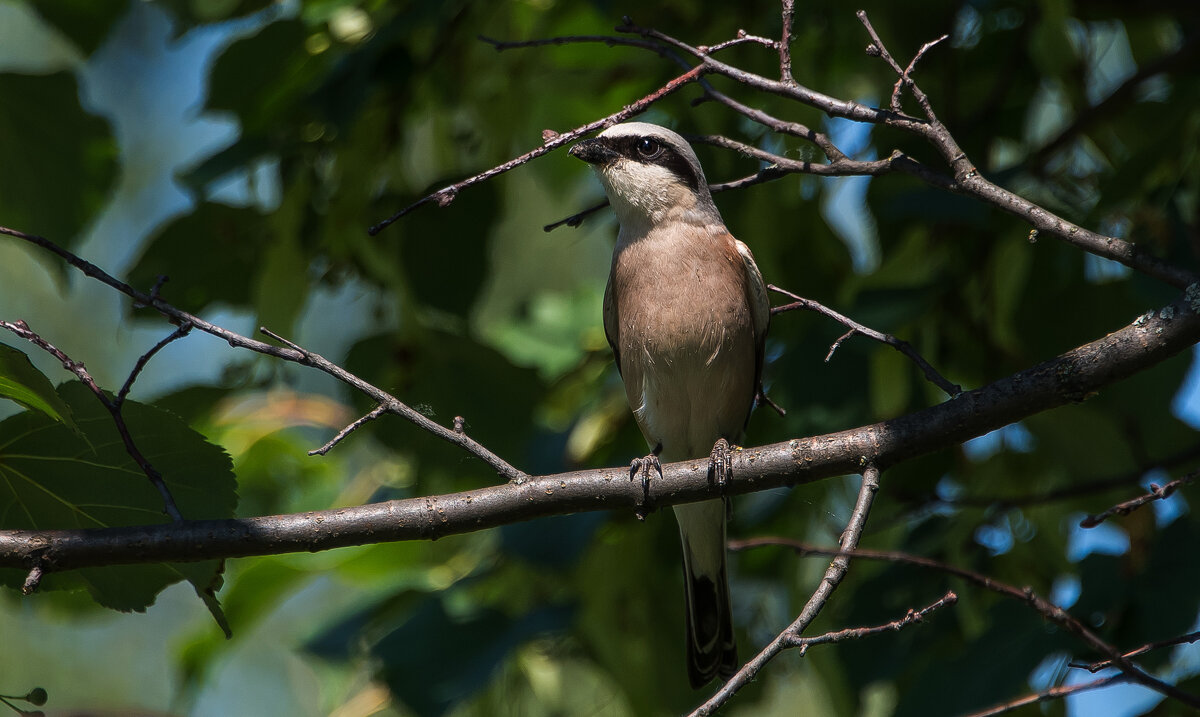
(593, 151)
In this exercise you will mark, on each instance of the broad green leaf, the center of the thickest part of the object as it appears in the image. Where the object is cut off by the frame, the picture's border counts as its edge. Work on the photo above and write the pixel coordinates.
(51, 477)
(22, 382)
(85, 22)
(208, 255)
(58, 160)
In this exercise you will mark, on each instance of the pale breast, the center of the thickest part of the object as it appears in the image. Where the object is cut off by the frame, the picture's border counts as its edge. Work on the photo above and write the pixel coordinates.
(685, 338)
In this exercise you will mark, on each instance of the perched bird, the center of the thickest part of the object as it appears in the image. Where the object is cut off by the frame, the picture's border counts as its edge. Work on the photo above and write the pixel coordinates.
(686, 314)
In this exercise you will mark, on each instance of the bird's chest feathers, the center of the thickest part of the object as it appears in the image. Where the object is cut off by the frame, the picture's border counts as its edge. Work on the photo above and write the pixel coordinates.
(680, 300)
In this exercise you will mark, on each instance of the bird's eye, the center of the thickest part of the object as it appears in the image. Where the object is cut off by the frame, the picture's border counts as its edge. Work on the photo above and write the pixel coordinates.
(648, 148)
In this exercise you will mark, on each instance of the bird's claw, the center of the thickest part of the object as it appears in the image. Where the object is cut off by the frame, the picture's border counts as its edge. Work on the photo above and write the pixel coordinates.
(720, 467)
(643, 466)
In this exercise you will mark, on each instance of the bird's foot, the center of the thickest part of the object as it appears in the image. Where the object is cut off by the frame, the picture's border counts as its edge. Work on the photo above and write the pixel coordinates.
(643, 466)
(720, 467)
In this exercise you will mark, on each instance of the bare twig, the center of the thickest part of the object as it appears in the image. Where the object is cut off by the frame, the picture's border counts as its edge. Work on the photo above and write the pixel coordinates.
(444, 196)
(291, 352)
(1157, 645)
(1052, 693)
(741, 38)
(903, 347)
(1026, 596)
(878, 49)
(966, 180)
(855, 633)
(20, 328)
(835, 168)
(183, 330)
(375, 413)
(833, 576)
(905, 77)
(796, 129)
(762, 397)
(766, 174)
(1157, 492)
(395, 406)
(577, 218)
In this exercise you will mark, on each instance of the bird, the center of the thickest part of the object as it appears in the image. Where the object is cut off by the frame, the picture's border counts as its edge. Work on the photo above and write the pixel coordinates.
(686, 314)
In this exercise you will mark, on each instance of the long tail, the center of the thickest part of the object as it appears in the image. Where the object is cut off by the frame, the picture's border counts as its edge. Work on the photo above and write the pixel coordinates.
(711, 649)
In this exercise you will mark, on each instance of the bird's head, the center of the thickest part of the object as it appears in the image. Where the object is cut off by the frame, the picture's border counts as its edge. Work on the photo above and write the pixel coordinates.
(649, 173)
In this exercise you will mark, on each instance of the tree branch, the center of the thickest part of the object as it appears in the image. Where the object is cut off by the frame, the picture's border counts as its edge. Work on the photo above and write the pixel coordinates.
(1067, 378)
(444, 196)
(931, 374)
(855, 633)
(833, 576)
(113, 406)
(1026, 595)
(292, 352)
(967, 179)
(1052, 693)
(1156, 493)
(1157, 645)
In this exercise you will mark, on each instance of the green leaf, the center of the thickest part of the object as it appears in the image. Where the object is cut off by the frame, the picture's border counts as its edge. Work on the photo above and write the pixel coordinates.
(85, 22)
(891, 382)
(53, 478)
(20, 381)
(208, 255)
(59, 161)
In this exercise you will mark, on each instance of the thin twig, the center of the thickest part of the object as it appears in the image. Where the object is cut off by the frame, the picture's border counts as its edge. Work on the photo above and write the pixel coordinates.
(796, 129)
(931, 374)
(20, 328)
(905, 77)
(1026, 596)
(399, 408)
(966, 177)
(855, 633)
(833, 576)
(444, 196)
(292, 352)
(183, 330)
(836, 168)
(741, 38)
(375, 413)
(878, 49)
(1158, 645)
(1157, 492)
(1052, 693)
(966, 180)
(764, 175)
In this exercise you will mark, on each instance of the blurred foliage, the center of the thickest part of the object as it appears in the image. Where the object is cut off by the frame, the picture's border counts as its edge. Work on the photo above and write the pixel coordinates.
(348, 110)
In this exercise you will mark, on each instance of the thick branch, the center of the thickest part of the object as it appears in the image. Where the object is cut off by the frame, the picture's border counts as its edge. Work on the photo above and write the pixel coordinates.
(1070, 377)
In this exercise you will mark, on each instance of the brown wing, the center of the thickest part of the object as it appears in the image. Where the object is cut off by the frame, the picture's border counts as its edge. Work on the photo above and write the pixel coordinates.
(760, 311)
(611, 323)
